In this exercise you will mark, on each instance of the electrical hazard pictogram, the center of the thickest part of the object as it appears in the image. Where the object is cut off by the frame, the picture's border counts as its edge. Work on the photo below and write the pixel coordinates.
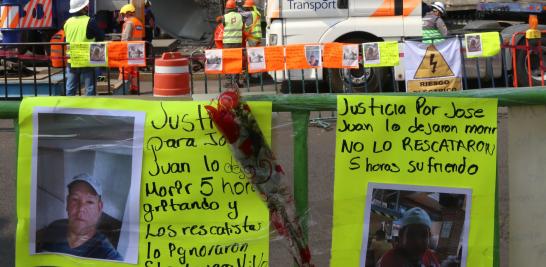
(433, 65)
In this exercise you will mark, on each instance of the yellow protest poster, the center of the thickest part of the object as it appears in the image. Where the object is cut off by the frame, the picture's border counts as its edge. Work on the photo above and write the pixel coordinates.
(88, 54)
(112, 182)
(485, 44)
(414, 181)
(381, 54)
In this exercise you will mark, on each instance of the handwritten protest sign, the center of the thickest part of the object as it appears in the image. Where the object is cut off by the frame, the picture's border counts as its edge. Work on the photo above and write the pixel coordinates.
(381, 54)
(88, 55)
(401, 156)
(295, 57)
(196, 206)
(274, 58)
(125, 54)
(485, 44)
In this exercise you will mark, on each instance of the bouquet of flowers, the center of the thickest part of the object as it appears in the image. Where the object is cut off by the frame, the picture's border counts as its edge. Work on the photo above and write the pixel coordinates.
(236, 122)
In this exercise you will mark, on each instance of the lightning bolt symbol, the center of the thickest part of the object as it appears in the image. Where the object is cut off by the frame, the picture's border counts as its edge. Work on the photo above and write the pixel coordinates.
(433, 63)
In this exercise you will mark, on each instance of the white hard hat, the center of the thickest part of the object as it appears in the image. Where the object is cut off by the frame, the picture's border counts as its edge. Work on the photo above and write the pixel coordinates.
(77, 5)
(440, 6)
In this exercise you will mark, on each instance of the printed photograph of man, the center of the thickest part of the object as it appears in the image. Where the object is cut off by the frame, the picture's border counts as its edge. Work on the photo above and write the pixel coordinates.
(473, 45)
(350, 56)
(256, 58)
(313, 55)
(98, 53)
(78, 235)
(85, 187)
(213, 60)
(371, 53)
(136, 53)
(409, 226)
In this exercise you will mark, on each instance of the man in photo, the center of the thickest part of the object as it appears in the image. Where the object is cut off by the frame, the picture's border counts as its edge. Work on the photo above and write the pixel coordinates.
(313, 60)
(413, 247)
(372, 52)
(474, 43)
(78, 235)
(97, 53)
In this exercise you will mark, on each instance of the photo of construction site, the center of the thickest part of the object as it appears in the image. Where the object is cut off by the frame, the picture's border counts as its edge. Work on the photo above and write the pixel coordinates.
(415, 226)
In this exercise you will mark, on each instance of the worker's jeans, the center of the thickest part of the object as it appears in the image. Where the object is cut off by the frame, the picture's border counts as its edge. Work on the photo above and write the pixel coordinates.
(73, 77)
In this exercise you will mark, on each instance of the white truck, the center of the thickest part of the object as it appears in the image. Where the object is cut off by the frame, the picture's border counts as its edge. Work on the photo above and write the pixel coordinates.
(358, 21)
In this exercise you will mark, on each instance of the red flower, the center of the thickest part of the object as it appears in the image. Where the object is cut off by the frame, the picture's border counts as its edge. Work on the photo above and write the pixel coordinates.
(228, 100)
(246, 147)
(279, 169)
(225, 122)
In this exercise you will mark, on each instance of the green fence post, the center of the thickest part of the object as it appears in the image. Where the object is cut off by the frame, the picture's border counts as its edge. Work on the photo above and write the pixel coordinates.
(301, 122)
(9, 109)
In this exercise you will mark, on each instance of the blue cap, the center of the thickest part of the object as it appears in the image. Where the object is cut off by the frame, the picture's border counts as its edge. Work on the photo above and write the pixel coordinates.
(416, 216)
(90, 180)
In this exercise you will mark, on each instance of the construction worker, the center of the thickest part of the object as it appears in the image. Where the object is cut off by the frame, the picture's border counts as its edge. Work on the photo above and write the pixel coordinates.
(81, 28)
(434, 27)
(233, 33)
(133, 30)
(239, 4)
(253, 24)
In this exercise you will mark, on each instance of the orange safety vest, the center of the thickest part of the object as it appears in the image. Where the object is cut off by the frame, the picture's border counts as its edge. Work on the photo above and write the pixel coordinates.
(138, 33)
(56, 54)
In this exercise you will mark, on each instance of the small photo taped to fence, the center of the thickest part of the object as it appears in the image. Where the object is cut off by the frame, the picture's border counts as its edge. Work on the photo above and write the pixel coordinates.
(350, 56)
(313, 54)
(404, 224)
(97, 52)
(136, 54)
(256, 58)
(85, 183)
(473, 45)
(213, 60)
(371, 53)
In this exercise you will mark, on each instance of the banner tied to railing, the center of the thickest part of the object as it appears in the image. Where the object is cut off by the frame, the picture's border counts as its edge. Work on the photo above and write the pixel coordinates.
(301, 56)
(107, 54)
(433, 67)
(485, 44)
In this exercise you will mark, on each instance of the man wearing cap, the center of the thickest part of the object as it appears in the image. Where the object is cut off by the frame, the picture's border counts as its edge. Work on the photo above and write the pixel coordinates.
(413, 248)
(78, 235)
(81, 28)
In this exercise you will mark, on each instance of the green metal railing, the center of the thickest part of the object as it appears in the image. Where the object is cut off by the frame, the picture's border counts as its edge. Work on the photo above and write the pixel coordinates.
(300, 107)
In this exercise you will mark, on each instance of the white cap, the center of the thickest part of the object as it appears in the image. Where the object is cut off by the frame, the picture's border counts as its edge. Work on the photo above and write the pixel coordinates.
(77, 5)
(440, 6)
(84, 177)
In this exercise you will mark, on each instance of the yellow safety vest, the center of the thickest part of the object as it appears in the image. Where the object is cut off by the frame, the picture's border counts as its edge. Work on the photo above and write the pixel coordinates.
(233, 29)
(256, 32)
(75, 30)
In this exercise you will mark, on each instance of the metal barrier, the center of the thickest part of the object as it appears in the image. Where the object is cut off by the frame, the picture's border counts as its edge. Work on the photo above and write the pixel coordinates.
(27, 71)
(31, 74)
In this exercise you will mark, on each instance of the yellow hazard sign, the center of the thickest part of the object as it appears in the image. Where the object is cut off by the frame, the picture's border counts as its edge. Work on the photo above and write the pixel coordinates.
(433, 67)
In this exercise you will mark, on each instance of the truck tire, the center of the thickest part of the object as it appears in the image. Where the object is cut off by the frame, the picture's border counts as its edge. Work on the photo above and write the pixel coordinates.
(522, 68)
(359, 80)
